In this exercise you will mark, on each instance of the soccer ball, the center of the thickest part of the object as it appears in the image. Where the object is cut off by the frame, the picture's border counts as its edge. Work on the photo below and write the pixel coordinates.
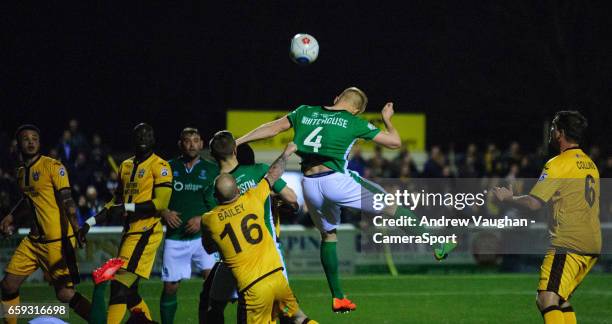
(304, 49)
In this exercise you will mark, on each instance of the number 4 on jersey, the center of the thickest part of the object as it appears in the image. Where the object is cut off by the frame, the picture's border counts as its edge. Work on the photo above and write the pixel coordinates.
(316, 144)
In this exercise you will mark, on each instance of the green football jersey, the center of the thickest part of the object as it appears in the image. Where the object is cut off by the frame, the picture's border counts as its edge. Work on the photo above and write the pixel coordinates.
(325, 136)
(191, 193)
(248, 176)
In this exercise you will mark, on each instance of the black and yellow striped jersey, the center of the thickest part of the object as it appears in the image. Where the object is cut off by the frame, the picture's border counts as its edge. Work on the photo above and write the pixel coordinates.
(138, 180)
(239, 231)
(570, 181)
(41, 182)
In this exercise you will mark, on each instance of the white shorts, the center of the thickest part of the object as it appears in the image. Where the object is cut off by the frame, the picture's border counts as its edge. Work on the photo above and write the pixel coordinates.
(223, 287)
(325, 195)
(178, 257)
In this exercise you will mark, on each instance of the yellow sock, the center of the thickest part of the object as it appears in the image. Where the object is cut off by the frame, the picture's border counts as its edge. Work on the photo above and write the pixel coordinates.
(569, 315)
(6, 304)
(115, 313)
(144, 308)
(554, 316)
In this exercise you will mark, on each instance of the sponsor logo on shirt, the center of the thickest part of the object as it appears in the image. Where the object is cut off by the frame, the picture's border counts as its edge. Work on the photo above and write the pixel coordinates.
(543, 176)
(202, 175)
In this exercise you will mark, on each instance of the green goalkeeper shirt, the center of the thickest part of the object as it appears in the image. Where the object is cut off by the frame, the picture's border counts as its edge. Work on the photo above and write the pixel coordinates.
(192, 193)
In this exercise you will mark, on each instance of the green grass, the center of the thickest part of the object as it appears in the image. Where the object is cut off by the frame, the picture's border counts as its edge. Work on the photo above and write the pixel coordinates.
(406, 299)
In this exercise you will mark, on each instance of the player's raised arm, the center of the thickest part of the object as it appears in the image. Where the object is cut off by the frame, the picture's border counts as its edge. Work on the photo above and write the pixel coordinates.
(266, 130)
(505, 194)
(388, 138)
(278, 167)
(289, 196)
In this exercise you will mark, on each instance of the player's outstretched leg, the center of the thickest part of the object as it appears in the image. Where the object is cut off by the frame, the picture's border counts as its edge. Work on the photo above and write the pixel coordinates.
(124, 295)
(101, 277)
(329, 260)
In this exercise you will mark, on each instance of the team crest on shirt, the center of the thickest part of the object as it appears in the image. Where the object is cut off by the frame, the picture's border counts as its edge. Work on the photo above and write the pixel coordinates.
(202, 175)
(62, 172)
(36, 175)
(141, 173)
(175, 173)
(164, 172)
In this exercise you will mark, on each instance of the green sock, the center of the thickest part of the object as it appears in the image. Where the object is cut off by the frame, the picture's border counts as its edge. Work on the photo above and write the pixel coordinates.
(167, 308)
(98, 304)
(329, 260)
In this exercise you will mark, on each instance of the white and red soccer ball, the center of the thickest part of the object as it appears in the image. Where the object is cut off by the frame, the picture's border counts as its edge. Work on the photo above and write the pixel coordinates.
(304, 49)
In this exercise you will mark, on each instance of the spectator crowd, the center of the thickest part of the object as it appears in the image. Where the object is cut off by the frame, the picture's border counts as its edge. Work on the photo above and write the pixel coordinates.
(94, 180)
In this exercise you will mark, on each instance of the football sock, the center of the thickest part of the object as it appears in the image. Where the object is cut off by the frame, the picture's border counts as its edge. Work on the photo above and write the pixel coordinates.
(8, 301)
(569, 315)
(115, 313)
(329, 260)
(167, 308)
(117, 303)
(143, 307)
(80, 305)
(98, 304)
(553, 315)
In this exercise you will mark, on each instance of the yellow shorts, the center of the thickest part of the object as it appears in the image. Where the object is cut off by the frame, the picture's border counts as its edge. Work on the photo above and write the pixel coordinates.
(266, 299)
(138, 250)
(56, 259)
(562, 272)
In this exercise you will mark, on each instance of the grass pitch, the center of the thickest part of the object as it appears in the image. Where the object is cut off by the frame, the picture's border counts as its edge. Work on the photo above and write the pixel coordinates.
(405, 299)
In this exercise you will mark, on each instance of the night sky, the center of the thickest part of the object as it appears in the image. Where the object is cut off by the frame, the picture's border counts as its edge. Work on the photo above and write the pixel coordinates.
(481, 71)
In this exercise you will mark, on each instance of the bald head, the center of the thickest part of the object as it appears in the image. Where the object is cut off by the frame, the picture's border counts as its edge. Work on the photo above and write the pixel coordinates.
(226, 188)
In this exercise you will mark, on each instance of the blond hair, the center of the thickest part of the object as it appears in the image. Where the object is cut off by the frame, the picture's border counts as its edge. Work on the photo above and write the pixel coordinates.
(355, 97)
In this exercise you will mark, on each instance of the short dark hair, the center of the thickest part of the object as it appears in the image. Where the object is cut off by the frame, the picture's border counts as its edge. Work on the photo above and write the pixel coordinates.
(572, 123)
(245, 154)
(222, 145)
(189, 131)
(26, 127)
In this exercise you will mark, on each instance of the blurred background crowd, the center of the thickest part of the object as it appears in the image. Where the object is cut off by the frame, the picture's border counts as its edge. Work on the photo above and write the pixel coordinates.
(91, 165)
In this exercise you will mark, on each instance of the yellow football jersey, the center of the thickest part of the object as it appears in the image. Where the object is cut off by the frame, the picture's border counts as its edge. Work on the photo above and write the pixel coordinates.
(239, 231)
(571, 182)
(40, 183)
(138, 179)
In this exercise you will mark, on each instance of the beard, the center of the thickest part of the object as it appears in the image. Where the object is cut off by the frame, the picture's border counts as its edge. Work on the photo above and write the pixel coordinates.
(554, 143)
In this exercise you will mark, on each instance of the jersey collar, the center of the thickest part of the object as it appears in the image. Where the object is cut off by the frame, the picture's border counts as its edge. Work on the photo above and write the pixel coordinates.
(34, 161)
(188, 170)
(571, 148)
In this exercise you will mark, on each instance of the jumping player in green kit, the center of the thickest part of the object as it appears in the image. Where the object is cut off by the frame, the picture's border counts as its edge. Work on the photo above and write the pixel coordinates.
(192, 186)
(324, 136)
